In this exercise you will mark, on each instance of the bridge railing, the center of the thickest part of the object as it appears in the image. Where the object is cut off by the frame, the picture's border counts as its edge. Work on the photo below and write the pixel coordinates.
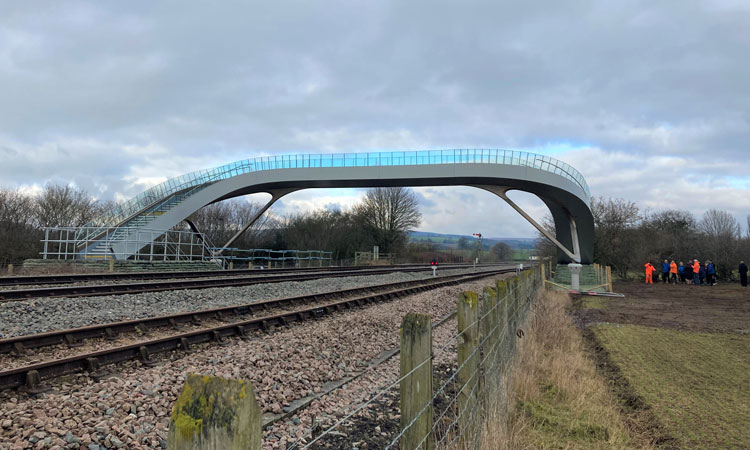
(332, 160)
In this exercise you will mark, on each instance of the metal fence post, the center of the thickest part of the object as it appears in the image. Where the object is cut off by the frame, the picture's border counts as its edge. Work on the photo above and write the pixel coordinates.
(416, 382)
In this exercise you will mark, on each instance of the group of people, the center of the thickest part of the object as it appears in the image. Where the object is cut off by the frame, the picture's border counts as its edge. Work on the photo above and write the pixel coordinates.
(691, 273)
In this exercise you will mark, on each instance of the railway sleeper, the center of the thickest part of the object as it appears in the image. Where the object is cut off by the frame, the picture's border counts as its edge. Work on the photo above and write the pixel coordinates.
(141, 328)
(94, 369)
(71, 341)
(19, 349)
(218, 338)
(185, 346)
(145, 356)
(34, 384)
(175, 326)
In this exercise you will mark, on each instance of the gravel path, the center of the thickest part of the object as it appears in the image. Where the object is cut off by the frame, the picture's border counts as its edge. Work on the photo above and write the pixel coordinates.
(48, 314)
(131, 410)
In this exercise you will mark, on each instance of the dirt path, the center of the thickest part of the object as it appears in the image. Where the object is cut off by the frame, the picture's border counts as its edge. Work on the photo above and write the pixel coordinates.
(715, 309)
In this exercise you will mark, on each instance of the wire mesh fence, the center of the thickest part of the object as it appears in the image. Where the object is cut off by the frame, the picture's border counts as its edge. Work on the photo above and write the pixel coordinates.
(489, 324)
(446, 408)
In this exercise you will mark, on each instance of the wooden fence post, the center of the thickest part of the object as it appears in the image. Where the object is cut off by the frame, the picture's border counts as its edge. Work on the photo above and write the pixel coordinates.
(468, 358)
(111, 265)
(215, 413)
(504, 305)
(609, 278)
(416, 388)
(489, 331)
(10, 269)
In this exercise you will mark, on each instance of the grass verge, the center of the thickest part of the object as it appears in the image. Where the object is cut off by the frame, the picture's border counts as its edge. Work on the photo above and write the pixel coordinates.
(695, 384)
(557, 399)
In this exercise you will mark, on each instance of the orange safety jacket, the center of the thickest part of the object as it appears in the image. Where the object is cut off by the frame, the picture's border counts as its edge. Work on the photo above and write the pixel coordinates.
(673, 268)
(649, 269)
(696, 267)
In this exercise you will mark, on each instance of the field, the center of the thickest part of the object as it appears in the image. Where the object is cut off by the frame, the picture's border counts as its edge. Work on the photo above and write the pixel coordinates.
(679, 355)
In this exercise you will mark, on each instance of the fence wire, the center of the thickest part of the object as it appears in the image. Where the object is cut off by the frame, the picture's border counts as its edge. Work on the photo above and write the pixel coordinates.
(493, 364)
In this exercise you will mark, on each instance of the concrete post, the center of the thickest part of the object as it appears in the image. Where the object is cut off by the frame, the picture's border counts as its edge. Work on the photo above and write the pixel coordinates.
(215, 413)
(575, 276)
(10, 269)
(416, 388)
(111, 265)
(468, 359)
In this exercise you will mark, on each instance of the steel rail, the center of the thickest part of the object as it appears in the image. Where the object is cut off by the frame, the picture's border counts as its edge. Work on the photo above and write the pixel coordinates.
(72, 336)
(23, 280)
(29, 377)
(169, 285)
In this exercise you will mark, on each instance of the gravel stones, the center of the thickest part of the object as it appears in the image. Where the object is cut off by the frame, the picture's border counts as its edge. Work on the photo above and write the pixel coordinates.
(48, 314)
(285, 365)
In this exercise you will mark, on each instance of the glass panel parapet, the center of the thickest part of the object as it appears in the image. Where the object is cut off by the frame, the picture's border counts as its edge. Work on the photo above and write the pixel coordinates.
(163, 191)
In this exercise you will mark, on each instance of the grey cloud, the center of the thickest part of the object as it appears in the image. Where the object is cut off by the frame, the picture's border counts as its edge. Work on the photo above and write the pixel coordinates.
(215, 83)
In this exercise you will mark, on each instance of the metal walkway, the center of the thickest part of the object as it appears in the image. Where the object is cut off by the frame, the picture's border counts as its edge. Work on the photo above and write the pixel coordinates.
(562, 188)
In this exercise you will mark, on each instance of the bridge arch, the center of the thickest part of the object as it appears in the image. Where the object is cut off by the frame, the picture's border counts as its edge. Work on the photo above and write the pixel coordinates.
(562, 188)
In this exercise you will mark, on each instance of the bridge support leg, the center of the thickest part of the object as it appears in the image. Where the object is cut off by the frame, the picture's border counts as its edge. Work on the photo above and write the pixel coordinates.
(575, 255)
(275, 195)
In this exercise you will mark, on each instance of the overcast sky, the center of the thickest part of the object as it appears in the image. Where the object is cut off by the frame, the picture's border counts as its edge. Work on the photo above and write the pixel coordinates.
(649, 100)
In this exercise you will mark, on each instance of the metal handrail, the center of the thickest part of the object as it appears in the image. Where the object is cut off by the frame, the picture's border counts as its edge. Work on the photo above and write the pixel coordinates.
(458, 156)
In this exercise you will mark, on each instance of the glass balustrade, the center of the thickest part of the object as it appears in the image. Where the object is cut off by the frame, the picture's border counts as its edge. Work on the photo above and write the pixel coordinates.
(195, 180)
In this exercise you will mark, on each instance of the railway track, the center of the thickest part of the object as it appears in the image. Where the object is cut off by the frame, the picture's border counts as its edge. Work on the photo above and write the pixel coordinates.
(39, 280)
(30, 377)
(172, 284)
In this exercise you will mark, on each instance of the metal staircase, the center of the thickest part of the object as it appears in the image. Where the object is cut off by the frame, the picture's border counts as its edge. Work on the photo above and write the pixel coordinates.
(99, 245)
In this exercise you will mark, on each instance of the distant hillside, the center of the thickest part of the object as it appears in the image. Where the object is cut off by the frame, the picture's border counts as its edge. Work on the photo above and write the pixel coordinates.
(451, 240)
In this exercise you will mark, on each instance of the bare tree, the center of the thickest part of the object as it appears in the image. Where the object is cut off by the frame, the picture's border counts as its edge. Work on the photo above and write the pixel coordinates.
(615, 222)
(543, 247)
(390, 213)
(221, 220)
(19, 239)
(64, 206)
(722, 234)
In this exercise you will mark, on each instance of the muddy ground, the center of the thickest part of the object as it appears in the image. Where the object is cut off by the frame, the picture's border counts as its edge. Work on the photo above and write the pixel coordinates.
(724, 308)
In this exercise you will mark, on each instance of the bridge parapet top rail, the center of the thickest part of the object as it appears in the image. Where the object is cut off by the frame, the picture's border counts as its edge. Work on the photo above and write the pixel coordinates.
(332, 160)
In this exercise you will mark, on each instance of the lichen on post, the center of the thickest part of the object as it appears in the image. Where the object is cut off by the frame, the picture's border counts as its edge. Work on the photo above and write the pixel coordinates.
(215, 413)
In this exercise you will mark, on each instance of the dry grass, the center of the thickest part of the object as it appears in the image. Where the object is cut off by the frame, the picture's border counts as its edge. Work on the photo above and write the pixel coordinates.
(557, 399)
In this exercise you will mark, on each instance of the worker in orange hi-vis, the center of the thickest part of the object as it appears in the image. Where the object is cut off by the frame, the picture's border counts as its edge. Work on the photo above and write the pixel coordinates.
(673, 272)
(696, 272)
(649, 273)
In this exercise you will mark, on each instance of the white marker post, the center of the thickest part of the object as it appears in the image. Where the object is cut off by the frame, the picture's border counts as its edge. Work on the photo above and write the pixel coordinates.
(575, 277)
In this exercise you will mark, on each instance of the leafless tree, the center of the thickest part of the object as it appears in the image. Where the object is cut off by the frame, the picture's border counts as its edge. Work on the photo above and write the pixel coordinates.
(220, 221)
(721, 232)
(19, 239)
(59, 205)
(390, 213)
(615, 222)
(543, 247)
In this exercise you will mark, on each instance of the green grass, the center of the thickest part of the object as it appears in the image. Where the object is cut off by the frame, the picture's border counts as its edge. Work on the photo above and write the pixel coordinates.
(695, 383)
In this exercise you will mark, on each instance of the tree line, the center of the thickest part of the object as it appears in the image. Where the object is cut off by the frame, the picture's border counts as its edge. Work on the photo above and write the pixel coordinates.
(627, 237)
(383, 217)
